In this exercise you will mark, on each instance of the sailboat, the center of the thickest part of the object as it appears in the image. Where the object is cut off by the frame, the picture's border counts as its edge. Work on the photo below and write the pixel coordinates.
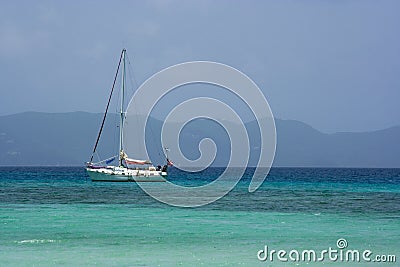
(127, 169)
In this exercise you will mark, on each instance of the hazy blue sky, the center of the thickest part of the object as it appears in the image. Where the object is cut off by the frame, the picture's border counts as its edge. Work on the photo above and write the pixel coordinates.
(332, 64)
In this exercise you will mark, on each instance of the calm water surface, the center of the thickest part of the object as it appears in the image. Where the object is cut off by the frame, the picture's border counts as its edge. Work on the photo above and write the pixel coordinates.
(57, 217)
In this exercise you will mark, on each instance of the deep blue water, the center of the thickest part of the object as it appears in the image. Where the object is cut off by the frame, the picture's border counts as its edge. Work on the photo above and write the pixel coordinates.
(284, 190)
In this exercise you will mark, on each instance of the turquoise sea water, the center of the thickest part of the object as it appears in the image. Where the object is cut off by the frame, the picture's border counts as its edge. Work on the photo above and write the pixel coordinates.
(57, 217)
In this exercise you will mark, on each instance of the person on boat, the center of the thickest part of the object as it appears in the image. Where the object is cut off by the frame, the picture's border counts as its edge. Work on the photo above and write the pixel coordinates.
(164, 168)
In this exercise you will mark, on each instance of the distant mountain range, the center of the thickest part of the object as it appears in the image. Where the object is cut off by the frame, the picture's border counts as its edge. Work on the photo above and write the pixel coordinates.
(67, 139)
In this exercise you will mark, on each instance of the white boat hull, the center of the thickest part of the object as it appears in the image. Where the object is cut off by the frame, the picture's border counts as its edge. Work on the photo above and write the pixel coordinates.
(125, 175)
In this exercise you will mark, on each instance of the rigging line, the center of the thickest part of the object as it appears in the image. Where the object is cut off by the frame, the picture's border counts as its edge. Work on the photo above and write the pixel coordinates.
(133, 87)
(130, 70)
(148, 121)
(116, 121)
(98, 156)
(108, 104)
(153, 136)
(159, 151)
(133, 84)
(115, 127)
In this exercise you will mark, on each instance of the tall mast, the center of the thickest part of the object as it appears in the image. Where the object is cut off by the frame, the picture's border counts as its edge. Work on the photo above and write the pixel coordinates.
(122, 114)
